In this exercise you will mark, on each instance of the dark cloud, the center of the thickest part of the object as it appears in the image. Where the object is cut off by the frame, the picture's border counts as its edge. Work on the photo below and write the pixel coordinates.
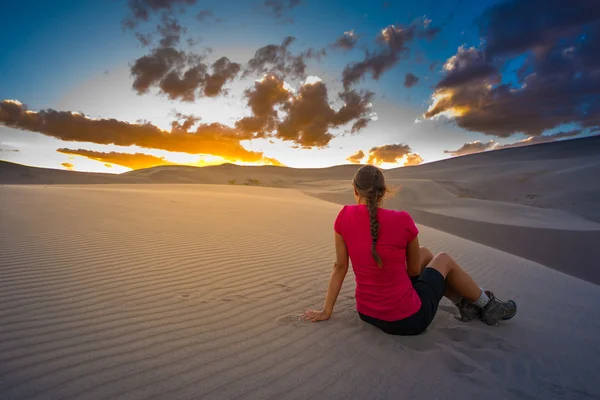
(309, 116)
(263, 99)
(558, 82)
(472, 147)
(468, 65)
(191, 42)
(170, 31)
(277, 59)
(410, 80)
(357, 157)
(183, 122)
(517, 26)
(68, 166)
(204, 15)
(128, 160)
(144, 39)
(180, 75)
(317, 54)
(278, 7)
(359, 125)
(393, 153)
(215, 139)
(395, 42)
(223, 71)
(149, 70)
(346, 42)
(304, 118)
(142, 9)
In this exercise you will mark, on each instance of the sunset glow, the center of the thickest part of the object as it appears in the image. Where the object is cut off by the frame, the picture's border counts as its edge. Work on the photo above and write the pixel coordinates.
(309, 99)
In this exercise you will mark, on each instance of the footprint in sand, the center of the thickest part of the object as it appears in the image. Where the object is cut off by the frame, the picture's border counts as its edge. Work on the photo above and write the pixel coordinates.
(279, 285)
(483, 340)
(456, 365)
(291, 320)
(188, 296)
(456, 334)
(234, 297)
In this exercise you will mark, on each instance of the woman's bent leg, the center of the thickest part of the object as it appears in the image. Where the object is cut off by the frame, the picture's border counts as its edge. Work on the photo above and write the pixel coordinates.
(493, 310)
(456, 277)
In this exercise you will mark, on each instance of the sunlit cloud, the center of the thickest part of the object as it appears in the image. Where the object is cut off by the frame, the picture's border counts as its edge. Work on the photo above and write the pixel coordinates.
(357, 157)
(136, 161)
(393, 155)
(208, 139)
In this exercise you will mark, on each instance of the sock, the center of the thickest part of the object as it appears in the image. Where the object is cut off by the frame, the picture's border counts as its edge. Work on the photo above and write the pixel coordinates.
(482, 300)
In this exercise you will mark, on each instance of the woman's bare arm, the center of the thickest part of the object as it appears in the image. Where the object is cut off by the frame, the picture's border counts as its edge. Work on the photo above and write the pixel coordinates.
(336, 279)
(340, 269)
(413, 258)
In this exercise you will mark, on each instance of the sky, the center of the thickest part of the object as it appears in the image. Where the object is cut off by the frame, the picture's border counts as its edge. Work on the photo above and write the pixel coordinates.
(114, 85)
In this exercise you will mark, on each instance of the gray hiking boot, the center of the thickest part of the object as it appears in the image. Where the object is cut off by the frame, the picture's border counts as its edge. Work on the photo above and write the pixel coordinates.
(497, 310)
(468, 311)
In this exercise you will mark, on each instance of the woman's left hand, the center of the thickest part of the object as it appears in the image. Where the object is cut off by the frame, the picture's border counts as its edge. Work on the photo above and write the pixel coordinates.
(314, 316)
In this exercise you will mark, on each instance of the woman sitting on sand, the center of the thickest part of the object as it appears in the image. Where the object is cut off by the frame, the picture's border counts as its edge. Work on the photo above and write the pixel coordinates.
(398, 283)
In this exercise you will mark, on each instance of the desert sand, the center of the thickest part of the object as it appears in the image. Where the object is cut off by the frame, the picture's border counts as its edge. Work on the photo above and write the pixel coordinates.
(540, 202)
(194, 292)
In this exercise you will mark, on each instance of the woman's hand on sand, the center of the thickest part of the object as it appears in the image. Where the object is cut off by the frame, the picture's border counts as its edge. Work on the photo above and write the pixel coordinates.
(314, 316)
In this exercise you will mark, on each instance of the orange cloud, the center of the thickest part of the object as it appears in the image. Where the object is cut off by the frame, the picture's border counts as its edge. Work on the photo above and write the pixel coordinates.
(128, 160)
(68, 166)
(393, 154)
(389, 153)
(139, 160)
(210, 139)
(413, 159)
(356, 157)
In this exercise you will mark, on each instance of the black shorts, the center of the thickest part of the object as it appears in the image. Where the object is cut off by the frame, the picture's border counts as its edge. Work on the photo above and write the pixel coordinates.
(430, 289)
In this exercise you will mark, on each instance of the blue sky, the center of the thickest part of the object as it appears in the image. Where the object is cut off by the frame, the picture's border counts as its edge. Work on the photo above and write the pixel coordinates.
(76, 56)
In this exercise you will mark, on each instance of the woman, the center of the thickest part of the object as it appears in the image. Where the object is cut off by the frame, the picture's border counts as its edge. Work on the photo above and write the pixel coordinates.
(399, 284)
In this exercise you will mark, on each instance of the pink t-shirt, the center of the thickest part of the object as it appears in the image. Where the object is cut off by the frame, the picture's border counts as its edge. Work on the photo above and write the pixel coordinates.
(384, 293)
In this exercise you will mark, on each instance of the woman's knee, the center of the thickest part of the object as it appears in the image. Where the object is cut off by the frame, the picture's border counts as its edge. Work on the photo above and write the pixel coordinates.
(444, 257)
(441, 262)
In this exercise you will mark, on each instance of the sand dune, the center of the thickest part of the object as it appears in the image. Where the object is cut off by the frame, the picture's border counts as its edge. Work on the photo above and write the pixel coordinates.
(194, 291)
(540, 202)
(554, 238)
(561, 175)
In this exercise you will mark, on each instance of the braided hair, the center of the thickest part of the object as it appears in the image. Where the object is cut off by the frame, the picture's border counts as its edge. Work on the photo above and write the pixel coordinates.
(369, 183)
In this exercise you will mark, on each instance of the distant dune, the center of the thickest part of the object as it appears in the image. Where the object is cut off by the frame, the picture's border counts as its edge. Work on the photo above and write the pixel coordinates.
(17, 174)
(541, 202)
(561, 175)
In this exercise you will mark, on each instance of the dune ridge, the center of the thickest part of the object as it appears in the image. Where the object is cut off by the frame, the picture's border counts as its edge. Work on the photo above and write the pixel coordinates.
(560, 175)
